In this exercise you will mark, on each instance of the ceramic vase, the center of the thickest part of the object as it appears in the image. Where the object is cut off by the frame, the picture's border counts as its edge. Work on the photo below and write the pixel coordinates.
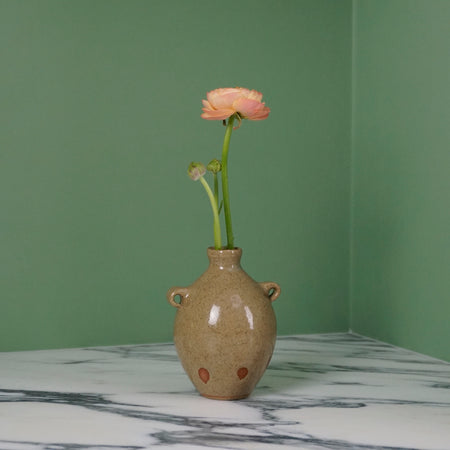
(225, 327)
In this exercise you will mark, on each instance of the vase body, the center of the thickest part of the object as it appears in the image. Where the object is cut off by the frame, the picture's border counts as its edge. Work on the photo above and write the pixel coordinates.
(225, 327)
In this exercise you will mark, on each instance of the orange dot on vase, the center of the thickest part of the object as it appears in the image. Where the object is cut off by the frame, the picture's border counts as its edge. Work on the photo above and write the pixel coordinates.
(203, 374)
(242, 373)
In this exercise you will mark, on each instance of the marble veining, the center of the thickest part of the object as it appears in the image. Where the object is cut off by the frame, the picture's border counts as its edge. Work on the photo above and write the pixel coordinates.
(329, 391)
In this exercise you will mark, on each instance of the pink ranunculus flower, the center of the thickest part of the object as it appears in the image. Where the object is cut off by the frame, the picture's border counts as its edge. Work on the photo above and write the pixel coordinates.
(224, 102)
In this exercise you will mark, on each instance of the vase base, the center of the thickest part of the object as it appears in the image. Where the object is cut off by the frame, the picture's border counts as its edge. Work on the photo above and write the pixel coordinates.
(231, 397)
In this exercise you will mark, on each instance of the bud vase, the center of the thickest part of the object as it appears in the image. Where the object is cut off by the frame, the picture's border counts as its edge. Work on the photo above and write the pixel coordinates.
(225, 327)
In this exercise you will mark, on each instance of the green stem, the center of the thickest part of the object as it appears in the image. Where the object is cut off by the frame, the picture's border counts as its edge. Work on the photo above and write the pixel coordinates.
(226, 195)
(216, 189)
(217, 240)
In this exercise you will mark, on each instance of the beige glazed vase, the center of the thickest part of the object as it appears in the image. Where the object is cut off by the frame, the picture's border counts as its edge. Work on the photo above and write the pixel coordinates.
(225, 327)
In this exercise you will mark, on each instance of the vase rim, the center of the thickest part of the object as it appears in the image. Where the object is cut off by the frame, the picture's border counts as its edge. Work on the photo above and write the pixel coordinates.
(225, 250)
(224, 257)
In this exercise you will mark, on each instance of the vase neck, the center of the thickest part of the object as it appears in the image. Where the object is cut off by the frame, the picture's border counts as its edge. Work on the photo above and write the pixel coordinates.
(225, 259)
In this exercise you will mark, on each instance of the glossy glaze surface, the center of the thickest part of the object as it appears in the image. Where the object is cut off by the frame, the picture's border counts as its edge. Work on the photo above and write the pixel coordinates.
(225, 327)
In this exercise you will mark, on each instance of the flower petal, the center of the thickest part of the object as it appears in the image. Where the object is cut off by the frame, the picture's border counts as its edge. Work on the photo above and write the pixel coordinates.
(248, 108)
(255, 95)
(223, 98)
(261, 115)
(206, 104)
(219, 114)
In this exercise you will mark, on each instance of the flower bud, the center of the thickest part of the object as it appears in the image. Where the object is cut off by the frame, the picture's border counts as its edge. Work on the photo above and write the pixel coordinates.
(214, 166)
(196, 170)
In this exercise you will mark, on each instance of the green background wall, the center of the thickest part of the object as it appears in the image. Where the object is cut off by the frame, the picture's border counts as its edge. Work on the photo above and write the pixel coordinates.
(401, 174)
(341, 196)
(100, 116)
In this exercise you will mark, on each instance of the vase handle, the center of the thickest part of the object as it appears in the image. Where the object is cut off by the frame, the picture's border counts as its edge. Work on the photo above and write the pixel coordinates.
(173, 292)
(271, 289)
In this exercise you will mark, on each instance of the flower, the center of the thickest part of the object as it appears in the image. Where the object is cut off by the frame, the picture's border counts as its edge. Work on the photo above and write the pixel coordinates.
(224, 102)
(196, 170)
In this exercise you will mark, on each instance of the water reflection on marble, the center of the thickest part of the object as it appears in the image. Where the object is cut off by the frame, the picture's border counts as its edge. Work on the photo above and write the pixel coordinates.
(331, 391)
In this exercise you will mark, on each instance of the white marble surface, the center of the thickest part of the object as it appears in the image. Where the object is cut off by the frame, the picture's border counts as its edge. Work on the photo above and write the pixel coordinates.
(331, 391)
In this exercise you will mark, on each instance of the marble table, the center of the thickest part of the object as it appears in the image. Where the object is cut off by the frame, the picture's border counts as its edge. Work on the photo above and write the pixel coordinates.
(326, 391)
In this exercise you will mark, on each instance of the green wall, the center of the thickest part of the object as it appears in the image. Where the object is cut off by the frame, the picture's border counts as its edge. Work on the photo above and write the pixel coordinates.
(401, 174)
(100, 105)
